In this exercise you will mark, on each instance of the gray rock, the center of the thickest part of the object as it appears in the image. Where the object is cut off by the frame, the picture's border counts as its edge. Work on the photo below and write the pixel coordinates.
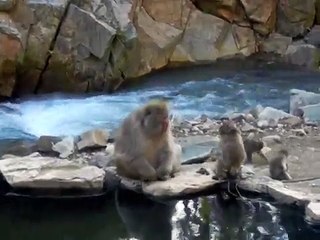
(294, 17)
(300, 98)
(93, 139)
(273, 114)
(291, 121)
(248, 128)
(65, 147)
(312, 112)
(313, 212)
(101, 160)
(276, 43)
(45, 143)
(305, 55)
(35, 172)
(272, 140)
(7, 5)
(313, 37)
(256, 111)
(308, 102)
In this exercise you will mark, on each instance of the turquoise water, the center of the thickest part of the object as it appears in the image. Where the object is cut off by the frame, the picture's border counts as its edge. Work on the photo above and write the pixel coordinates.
(190, 91)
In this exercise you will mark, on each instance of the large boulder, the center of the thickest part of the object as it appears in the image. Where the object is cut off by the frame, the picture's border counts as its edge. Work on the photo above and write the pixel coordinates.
(10, 49)
(45, 173)
(7, 5)
(275, 43)
(262, 14)
(259, 14)
(215, 39)
(313, 37)
(46, 19)
(157, 41)
(80, 53)
(304, 55)
(294, 17)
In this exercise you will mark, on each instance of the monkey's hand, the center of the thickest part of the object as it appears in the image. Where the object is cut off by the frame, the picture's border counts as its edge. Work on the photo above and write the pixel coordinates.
(165, 165)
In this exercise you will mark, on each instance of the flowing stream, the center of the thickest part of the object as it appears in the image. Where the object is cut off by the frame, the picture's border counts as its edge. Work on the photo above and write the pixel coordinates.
(191, 92)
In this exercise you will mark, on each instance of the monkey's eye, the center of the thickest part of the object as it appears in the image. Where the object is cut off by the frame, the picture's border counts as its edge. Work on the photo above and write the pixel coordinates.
(148, 112)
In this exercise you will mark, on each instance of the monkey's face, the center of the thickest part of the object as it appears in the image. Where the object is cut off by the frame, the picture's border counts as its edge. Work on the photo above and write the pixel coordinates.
(228, 128)
(155, 120)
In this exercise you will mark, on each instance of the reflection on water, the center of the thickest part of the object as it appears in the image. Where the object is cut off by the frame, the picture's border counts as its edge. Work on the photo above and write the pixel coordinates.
(131, 216)
(191, 92)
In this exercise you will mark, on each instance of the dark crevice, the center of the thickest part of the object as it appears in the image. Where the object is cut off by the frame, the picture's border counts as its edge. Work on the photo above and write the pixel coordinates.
(51, 48)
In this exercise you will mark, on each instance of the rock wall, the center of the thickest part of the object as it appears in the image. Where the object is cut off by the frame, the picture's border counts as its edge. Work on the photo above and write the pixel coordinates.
(96, 45)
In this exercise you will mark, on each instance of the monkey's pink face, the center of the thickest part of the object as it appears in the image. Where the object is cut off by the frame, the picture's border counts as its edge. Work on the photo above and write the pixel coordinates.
(156, 120)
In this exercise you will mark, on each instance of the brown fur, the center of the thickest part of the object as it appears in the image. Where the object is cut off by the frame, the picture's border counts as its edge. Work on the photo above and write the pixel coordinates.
(278, 167)
(233, 152)
(142, 149)
(252, 146)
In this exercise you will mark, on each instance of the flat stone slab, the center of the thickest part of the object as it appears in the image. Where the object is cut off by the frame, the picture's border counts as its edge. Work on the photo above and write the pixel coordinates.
(197, 179)
(38, 172)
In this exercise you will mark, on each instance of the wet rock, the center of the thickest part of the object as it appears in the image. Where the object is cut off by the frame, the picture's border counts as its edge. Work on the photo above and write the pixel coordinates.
(305, 55)
(7, 5)
(45, 143)
(101, 160)
(313, 212)
(20, 148)
(187, 181)
(10, 49)
(276, 189)
(313, 37)
(65, 148)
(294, 17)
(276, 43)
(38, 173)
(93, 139)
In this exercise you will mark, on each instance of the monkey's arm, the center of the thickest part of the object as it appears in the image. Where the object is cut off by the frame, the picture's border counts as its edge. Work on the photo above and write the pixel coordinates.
(135, 167)
(164, 163)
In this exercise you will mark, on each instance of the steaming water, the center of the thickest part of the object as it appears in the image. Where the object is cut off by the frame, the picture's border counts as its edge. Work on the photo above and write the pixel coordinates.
(191, 92)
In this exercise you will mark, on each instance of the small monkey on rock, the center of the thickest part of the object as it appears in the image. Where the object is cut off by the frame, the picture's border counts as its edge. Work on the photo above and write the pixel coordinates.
(144, 146)
(278, 167)
(252, 146)
(233, 151)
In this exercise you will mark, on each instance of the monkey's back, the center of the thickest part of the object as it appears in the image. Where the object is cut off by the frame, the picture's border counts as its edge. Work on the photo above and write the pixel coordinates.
(233, 151)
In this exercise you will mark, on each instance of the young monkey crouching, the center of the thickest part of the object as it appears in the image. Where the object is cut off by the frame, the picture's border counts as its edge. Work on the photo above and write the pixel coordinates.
(233, 151)
(144, 146)
(278, 167)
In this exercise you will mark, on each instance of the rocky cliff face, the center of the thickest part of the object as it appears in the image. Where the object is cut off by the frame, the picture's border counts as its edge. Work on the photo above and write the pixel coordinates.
(95, 45)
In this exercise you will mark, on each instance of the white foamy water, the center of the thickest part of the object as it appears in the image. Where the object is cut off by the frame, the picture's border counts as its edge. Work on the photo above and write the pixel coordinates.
(214, 97)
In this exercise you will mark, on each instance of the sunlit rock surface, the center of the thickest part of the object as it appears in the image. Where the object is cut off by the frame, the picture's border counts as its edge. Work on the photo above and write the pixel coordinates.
(89, 46)
(36, 172)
